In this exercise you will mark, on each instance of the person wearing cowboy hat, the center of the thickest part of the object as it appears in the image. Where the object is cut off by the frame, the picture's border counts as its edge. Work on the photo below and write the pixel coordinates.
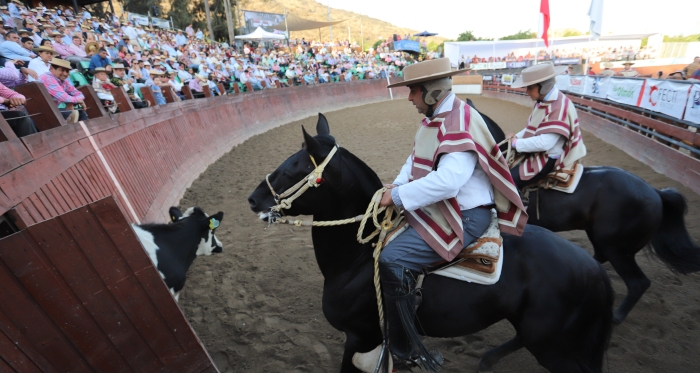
(62, 91)
(628, 71)
(446, 189)
(102, 86)
(607, 69)
(153, 82)
(41, 64)
(552, 140)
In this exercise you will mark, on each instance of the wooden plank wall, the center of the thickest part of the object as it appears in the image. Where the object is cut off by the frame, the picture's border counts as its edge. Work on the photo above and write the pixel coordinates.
(81, 295)
(153, 153)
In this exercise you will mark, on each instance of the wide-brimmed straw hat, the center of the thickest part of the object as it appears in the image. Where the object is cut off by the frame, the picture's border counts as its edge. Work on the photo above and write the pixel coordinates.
(60, 63)
(156, 72)
(426, 71)
(628, 63)
(607, 65)
(117, 66)
(45, 49)
(538, 73)
(91, 47)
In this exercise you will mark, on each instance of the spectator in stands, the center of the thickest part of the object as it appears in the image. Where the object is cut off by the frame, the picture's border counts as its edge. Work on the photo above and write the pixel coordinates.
(590, 70)
(691, 68)
(628, 71)
(100, 59)
(677, 75)
(11, 108)
(12, 50)
(15, 14)
(177, 86)
(199, 35)
(180, 39)
(150, 82)
(41, 64)
(607, 69)
(62, 91)
(696, 76)
(102, 86)
(195, 87)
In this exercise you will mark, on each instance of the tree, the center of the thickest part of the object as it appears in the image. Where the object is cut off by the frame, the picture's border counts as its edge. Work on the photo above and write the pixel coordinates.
(469, 36)
(139, 6)
(520, 35)
(681, 38)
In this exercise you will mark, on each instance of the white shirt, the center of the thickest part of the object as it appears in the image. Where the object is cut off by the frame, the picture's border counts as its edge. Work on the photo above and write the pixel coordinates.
(457, 175)
(551, 143)
(39, 66)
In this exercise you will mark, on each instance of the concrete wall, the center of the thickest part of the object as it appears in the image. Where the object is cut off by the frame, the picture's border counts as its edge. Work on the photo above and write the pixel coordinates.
(147, 158)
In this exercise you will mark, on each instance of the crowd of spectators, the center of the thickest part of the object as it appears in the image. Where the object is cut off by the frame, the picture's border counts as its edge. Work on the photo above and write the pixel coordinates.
(595, 55)
(62, 49)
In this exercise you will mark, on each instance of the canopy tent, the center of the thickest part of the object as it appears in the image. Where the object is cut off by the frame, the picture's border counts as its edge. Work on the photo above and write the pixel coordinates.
(296, 23)
(426, 33)
(260, 34)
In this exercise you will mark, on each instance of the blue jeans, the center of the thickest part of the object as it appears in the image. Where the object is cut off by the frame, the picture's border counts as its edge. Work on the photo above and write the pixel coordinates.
(412, 252)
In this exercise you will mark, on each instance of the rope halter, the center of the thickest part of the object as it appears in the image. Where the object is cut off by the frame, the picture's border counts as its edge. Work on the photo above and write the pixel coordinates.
(313, 180)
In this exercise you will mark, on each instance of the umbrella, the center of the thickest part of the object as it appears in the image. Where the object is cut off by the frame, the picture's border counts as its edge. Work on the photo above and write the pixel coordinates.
(260, 34)
(425, 33)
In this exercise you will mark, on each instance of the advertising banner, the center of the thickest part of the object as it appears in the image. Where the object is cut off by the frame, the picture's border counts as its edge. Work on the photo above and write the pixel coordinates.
(562, 82)
(576, 84)
(517, 65)
(692, 109)
(138, 19)
(407, 45)
(507, 79)
(159, 22)
(665, 97)
(254, 20)
(487, 66)
(597, 86)
(567, 61)
(625, 91)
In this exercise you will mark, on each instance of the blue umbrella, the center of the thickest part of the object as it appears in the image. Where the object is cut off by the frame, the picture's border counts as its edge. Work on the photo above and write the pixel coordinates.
(425, 33)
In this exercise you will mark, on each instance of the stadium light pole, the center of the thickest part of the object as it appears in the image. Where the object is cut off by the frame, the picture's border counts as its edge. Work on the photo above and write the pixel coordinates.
(329, 19)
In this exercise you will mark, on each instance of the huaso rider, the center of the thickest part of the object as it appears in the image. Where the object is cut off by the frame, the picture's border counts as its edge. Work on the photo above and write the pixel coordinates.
(552, 139)
(449, 183)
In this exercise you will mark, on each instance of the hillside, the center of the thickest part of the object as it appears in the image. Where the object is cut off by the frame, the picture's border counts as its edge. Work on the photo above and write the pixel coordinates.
(372, 28)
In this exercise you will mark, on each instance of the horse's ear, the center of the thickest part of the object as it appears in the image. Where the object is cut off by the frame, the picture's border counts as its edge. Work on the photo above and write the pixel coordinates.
(310, 144)
(322, 125)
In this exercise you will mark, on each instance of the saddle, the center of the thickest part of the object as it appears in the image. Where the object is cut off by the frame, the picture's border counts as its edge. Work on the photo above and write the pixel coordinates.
(480, 262)
(564, 180)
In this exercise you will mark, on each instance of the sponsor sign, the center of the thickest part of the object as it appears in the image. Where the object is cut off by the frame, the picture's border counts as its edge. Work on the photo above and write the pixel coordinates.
(562, 82)
(162, 23)
(567, 61)
(597, 86)
(576, 84)
(625, 91)
(488, 78)
(517, 65)
(407, 45)
(507, 79)
(254, 20)
(487, 66)
(692, 109)
(138, 19)
(665, 97)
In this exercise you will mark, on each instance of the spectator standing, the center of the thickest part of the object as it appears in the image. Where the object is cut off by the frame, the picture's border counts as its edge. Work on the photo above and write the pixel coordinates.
(607, 69)
(199, 34)
(190, 31)
(62, 91)
(41, 64)
(15, 14)
(691, 68)
(628, 71)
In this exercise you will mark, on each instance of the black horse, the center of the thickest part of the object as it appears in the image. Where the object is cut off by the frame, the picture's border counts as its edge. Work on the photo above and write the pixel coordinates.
(558, 299)
(621, 214)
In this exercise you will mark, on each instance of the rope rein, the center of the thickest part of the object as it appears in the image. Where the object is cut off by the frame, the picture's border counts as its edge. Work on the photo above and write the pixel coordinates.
(392, 217)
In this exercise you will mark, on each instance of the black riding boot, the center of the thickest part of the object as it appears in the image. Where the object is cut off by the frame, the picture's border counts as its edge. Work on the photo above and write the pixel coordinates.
(399, 290)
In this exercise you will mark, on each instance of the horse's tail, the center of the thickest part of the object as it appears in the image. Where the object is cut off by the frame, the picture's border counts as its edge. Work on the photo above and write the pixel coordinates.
(672, 243)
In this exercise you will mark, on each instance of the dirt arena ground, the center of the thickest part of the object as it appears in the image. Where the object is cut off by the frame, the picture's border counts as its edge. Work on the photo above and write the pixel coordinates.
(257, 306)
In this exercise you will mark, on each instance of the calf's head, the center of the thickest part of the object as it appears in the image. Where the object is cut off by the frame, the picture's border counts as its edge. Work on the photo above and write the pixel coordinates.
(206, 227)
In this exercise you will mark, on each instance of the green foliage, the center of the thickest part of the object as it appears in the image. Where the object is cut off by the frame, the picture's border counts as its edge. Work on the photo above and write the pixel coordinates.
(469, 36)
(567, 32)
(681, 38)
(185, 12)
(645, 41)
(377, 44)
(520, 35)
(139, 6)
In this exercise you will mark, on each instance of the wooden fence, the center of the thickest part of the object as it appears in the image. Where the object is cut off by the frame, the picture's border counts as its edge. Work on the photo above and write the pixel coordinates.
(79, 294)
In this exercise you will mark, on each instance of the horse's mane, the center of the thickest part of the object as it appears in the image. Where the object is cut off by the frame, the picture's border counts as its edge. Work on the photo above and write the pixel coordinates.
(369, 178)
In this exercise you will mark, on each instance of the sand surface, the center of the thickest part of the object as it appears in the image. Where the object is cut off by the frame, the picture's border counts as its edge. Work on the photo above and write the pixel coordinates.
(257, 306)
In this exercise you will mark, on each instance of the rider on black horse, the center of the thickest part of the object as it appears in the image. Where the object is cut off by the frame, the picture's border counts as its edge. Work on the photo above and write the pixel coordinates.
(552, 140)
(450, 182)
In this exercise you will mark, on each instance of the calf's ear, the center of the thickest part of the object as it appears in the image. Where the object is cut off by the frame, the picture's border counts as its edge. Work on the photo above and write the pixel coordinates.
(215, 220)
(175, 214)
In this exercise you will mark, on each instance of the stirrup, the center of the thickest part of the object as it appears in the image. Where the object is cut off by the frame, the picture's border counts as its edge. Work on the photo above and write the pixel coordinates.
(368, 362)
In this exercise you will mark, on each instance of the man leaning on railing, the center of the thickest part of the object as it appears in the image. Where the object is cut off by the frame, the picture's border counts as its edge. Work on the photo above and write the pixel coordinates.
(62, 91)
(12, 109)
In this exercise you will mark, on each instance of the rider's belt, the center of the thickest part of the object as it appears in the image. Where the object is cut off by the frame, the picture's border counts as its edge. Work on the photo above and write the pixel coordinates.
(487, 207)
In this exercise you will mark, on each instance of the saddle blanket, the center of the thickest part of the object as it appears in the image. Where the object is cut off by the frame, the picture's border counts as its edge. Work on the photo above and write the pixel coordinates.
(481, 262)
(564, 180)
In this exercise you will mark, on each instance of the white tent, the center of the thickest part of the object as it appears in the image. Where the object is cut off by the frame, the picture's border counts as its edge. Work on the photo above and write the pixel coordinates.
(260, 34)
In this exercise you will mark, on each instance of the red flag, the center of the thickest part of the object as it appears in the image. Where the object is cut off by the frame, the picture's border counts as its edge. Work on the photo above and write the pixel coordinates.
(544, 21)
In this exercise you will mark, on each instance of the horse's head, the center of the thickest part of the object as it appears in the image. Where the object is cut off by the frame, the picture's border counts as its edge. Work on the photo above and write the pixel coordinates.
(303, 183)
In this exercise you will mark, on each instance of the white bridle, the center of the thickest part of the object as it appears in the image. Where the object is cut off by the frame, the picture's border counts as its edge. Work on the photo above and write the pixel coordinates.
(313, 180)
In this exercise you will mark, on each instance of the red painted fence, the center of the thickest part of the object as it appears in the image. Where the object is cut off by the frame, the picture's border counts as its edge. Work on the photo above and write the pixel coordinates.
(147, 158)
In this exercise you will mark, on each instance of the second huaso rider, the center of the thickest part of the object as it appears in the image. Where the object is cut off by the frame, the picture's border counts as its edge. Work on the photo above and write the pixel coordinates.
(447, 187)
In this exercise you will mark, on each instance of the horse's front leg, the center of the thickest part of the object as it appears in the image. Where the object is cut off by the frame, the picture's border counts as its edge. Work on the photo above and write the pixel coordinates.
(353, 344)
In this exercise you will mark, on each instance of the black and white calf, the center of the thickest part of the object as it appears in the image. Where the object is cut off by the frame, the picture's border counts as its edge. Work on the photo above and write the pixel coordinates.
(173, 247)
